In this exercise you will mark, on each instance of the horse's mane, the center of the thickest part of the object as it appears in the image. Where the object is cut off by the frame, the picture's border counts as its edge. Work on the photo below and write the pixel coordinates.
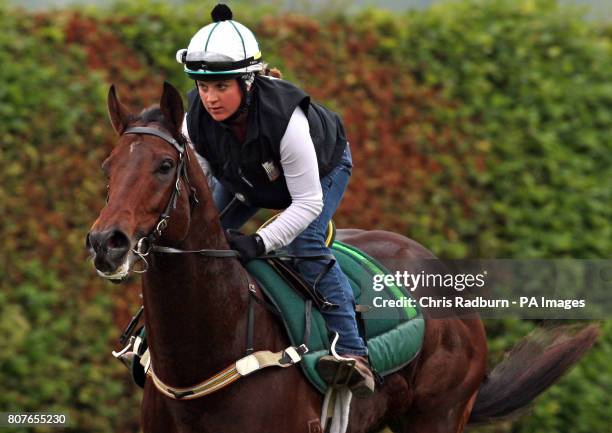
(154, 114)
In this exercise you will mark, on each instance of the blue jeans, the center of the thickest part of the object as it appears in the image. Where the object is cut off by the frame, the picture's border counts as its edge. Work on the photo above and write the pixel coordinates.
(334, 285)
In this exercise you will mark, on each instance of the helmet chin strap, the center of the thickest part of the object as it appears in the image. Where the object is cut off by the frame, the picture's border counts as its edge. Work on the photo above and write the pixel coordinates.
(246, 86)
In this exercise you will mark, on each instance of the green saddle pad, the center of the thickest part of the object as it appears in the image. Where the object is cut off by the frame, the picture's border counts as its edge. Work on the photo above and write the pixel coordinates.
(394, 335)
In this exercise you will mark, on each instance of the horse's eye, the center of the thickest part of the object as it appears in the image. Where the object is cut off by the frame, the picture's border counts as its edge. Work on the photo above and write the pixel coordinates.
(165, 166)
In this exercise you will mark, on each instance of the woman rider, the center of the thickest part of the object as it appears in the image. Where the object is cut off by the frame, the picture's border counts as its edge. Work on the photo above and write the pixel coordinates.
(261, 140)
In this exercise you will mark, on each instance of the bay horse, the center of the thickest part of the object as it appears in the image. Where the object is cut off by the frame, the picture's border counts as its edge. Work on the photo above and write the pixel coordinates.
(195, 310)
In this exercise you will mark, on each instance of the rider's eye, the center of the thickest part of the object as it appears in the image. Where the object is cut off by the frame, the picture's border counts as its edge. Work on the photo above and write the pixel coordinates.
(165, 166)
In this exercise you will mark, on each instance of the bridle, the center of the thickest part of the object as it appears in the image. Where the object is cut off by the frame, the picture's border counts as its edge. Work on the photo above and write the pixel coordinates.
(181, 172)
(147, 244)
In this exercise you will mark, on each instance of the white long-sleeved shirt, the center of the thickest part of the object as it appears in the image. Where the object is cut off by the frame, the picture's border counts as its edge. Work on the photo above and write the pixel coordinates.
(300, 167)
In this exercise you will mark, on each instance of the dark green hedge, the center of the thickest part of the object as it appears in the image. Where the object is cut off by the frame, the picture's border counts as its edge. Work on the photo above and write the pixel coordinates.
(56, 319)
(534, 81)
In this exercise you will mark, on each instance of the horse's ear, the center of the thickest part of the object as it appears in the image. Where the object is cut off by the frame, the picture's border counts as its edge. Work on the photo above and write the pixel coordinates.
(171, 105)
(119, 115)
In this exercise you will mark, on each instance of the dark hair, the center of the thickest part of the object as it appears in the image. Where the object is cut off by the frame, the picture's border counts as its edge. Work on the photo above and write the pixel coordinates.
(271, 72)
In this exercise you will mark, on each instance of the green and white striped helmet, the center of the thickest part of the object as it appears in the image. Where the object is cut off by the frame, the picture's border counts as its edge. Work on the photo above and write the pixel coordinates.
(222, 48)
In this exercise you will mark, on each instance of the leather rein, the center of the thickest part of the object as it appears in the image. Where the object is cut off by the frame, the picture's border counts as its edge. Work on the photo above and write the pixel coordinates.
(146, 244)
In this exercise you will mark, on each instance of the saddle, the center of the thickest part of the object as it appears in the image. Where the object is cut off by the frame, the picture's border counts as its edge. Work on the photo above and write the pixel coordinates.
(393, 336)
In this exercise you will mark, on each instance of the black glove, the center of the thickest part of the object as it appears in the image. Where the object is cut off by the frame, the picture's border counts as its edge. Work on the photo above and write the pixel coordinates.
(249, 247)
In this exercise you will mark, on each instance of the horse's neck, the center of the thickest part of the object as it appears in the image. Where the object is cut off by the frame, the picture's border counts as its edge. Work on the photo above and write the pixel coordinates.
(195, 306)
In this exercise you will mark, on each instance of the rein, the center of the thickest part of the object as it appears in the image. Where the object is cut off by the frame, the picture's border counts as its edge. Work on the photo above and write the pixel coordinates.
(147, 244)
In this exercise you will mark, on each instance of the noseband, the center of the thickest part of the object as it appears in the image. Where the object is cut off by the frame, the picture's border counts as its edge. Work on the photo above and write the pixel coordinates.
(146, 244)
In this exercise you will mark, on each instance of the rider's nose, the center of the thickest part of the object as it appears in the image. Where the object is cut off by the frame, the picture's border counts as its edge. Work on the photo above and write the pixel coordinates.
(211, 97)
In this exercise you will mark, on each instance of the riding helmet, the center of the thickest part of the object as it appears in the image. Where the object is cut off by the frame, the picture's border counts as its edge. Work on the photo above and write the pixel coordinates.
(221, 50)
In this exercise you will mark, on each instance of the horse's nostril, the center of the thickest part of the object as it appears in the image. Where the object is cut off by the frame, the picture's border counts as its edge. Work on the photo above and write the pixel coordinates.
(118, 240)
(87, 242)
(113, 242)
(110, 249)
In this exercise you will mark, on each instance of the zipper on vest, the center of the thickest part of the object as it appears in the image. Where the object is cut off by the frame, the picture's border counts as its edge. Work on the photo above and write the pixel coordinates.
(244, 179)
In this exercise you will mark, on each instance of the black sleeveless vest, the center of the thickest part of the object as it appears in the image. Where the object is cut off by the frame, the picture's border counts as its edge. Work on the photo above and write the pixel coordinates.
(253, 168)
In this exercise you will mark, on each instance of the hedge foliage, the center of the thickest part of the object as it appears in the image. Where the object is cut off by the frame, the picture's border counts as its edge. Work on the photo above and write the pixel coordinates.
(535, 84)
(56, 318)
(479, 128)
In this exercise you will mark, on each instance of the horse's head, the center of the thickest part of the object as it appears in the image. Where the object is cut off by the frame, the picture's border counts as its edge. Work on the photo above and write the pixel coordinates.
(147, 185)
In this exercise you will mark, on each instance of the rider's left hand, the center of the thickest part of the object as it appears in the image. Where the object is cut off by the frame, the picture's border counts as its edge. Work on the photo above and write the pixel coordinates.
(249, 247)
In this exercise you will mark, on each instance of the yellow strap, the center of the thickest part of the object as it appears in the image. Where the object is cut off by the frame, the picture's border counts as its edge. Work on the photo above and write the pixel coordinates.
(213, 384)
(240, 368)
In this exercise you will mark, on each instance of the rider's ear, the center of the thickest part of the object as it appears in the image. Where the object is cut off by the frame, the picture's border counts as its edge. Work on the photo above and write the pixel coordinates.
(171, 105)
(119, 115)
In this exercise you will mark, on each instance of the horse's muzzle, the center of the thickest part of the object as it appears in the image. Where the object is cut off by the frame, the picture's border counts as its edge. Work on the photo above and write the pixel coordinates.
(109, 249)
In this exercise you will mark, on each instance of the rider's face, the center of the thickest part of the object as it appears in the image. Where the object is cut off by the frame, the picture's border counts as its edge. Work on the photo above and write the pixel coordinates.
(220, 98)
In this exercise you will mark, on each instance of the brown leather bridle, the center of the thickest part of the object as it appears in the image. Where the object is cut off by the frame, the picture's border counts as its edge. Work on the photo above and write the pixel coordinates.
(147, 244)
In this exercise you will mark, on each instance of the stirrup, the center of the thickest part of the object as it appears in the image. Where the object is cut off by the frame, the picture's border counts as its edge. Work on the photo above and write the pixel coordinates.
(345, 367)
(343, 372)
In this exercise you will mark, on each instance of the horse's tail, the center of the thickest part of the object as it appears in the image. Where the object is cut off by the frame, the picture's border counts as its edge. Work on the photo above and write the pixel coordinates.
(531, 367)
